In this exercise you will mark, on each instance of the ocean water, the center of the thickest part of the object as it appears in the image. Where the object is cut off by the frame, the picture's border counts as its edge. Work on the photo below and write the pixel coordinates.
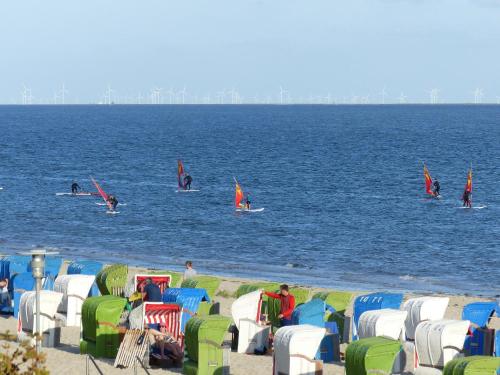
(342, 188)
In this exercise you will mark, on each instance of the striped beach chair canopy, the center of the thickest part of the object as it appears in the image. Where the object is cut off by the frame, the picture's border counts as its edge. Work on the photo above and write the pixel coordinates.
(167, 314)
(163, 281)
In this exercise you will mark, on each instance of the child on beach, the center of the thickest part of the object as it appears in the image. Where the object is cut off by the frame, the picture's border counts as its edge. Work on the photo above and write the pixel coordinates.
(4, 292)
(286, 306)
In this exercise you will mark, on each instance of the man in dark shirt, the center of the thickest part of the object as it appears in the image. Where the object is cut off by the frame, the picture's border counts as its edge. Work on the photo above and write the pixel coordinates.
(287, 304)
(74, 187)
(187, 181)
(151, 292)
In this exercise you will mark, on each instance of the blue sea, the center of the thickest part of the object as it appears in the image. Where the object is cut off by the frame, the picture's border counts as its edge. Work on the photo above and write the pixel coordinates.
(342, 188)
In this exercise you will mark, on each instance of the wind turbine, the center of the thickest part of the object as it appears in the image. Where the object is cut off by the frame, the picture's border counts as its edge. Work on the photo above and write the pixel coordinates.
(284, 94)
(183, 94)
(434, 96)
(478, 96)
(384, 94)
(63, 93)
(402, 98)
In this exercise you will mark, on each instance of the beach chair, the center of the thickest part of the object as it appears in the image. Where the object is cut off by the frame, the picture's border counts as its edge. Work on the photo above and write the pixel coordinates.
(189, 298)
(112, 280)
(100, 333)
(374, 301)
(75, 289)
(246, 313)
(438, 342)
(203, 341)
(389, 323)
(372, 355)
(340, 301)
(422, 309)
(169, 314)
(86, 267)
(295, 348)
(475, 365)
(163, 281)
(49, 324)
(210, 284)
(481, 341)
(20, 283)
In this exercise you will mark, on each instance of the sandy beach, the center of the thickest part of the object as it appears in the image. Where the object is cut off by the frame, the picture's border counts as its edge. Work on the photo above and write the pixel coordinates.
(65, 359)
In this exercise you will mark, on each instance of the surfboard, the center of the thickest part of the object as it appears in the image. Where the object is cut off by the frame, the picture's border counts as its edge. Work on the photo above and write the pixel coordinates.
(250, 210)
(82, 194)
(112, 212)
(473, 207)
(187, 191)
(104, 204)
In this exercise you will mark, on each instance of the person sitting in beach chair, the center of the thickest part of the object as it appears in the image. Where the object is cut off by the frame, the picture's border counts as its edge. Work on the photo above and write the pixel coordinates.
(5, 299)
(151, 292)
(286, 306)
(166, 351)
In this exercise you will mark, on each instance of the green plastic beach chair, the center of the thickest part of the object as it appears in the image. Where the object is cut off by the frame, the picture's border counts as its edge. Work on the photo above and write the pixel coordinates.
(340, 302)
(112, 279)
(475, 365)
(203, 345)
(372, 355)
(100, 317)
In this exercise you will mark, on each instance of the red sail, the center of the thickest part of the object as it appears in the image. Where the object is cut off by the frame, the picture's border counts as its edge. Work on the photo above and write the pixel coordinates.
(428, 181)
(238, 195)
(180, 173)
(103, 193)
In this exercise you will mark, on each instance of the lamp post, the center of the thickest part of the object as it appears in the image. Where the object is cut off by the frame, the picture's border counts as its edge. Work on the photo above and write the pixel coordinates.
(38, 271)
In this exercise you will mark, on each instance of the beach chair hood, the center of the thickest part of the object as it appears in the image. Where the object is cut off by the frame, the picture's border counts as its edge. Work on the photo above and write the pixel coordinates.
(312, 313)
(438, 342)
(295, 348)
(421, 309)
(188, 298)
(389, 323)
(247, 307)
(479, 313)
(49, 301)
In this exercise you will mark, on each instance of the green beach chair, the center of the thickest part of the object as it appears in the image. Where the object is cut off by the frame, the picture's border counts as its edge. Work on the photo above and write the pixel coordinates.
(210, 284)
(372, 355)
(475, 365)
(112, 279)
(100, 317)
(340, 302)
(203, 345)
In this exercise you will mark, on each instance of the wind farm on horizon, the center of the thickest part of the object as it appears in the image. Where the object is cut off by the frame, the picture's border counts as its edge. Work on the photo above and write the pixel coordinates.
(173, 96)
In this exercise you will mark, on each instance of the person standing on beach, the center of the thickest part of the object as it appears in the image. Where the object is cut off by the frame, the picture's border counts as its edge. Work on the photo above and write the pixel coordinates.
(75, 187)
(190, 272)
(287, 304)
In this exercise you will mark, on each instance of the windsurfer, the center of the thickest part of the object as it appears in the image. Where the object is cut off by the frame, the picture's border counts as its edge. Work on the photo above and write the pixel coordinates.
(466, 199)
(247, 202)
(113, 202)
(437, 188)
(75, 187)
(187, 181)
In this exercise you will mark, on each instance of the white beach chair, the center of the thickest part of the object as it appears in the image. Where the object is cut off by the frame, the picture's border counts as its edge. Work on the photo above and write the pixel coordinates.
(389, 323)
(246, 315)
(75, 289)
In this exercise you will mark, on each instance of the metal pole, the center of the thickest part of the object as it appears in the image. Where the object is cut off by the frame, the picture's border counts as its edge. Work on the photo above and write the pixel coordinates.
(38, 328)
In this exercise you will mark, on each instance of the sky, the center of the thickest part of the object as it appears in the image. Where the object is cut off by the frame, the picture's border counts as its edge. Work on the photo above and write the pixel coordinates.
(308, 47)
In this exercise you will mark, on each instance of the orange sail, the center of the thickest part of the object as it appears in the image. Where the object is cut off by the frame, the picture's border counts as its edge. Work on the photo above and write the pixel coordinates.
(180, 173)
(468, 185)
(238, 195)
(103, 193)
(428, 181)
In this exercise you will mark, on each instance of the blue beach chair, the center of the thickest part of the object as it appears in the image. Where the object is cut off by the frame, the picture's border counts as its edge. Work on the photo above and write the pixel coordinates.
(481, 341)
(188, 298)
(373, 301)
